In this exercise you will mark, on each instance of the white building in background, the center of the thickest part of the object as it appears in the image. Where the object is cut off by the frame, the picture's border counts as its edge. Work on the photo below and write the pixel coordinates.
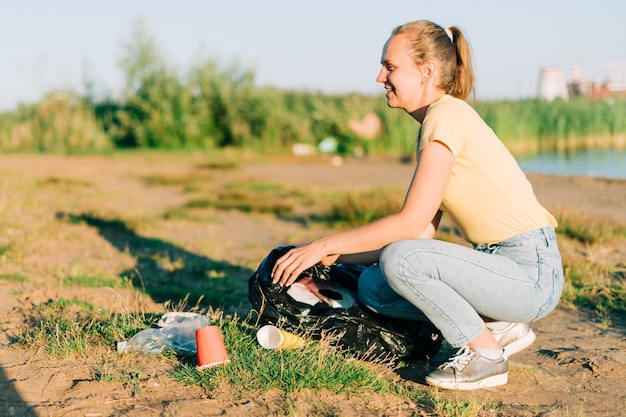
(552, 84)
(616, 77)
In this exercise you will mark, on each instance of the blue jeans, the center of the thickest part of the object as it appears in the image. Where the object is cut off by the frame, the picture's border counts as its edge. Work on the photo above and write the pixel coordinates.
(455, 287)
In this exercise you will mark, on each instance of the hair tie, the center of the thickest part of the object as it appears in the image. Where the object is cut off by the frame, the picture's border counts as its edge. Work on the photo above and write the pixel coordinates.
(449, 33)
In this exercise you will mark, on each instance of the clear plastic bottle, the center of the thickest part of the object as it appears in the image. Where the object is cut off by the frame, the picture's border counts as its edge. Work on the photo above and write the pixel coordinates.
(179, 337)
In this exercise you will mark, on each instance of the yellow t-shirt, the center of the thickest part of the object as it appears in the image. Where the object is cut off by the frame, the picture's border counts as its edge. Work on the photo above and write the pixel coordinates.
(488, 196)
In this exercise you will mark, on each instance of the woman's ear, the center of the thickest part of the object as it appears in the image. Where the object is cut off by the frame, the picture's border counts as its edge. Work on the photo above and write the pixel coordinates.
(428, 71)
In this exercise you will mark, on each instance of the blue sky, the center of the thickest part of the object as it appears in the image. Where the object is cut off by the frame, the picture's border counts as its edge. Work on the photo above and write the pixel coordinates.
(328, 45)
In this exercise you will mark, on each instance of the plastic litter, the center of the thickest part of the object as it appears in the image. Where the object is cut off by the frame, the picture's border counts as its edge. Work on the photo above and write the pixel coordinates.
(177, 332)
(343, 322)
(328, 145)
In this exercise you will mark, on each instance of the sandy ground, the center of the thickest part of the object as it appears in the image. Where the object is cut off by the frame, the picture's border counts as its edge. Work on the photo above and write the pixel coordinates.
(575, 368)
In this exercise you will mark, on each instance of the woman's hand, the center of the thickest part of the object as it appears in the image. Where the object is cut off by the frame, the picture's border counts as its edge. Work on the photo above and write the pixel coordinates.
(288, 267)
(328, 260)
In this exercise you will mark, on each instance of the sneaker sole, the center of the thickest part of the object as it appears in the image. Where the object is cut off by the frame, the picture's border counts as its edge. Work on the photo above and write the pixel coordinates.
(490, 382)
(520, 344)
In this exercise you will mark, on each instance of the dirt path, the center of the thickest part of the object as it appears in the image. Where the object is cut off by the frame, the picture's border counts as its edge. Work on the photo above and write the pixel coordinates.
(575, 368)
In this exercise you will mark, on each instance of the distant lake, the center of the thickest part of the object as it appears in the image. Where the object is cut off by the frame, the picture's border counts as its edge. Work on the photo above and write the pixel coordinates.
(607, 163)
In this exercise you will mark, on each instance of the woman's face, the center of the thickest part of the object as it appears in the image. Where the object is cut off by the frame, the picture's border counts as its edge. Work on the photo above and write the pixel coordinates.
(402, 79)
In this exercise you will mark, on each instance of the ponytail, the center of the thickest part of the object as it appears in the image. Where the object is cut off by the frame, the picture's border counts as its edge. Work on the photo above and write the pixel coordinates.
(462, 85)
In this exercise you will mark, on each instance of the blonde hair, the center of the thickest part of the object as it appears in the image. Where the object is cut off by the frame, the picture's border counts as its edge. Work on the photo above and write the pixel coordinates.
(449, 47)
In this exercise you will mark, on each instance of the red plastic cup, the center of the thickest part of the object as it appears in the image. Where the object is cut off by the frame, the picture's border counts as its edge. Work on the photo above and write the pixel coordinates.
(211, 349)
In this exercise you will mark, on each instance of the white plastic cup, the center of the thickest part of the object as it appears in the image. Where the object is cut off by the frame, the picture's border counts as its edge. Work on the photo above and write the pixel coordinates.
(271, 337)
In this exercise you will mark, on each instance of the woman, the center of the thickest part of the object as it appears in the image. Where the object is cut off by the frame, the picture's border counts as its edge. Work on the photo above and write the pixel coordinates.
(481, 299)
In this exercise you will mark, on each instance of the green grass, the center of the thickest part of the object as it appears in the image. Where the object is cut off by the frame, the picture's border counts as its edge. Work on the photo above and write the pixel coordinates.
(14, 277)
(588, 229)
(189, 182)
(75, 328)
(449, 405)
(70, 328)
(66, 182)
(133, 379)
(596, 286)
(96, 281)
(247, 201)
(219, 165)
(4, 249)
(358, 208)
(255, 369)
(246, 197)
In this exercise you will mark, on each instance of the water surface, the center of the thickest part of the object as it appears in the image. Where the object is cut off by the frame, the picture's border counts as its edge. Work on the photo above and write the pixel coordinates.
(607, 163)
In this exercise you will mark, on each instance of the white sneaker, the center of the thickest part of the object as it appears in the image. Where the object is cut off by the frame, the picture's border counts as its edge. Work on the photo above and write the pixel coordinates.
(468, 370)
(514, 338)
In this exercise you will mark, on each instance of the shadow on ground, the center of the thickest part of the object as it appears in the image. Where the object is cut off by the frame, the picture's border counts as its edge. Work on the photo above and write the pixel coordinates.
(11, 403)
(168, 272)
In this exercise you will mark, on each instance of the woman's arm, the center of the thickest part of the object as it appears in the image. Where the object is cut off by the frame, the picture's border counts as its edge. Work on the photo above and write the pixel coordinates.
(373, 256)
(414, 220)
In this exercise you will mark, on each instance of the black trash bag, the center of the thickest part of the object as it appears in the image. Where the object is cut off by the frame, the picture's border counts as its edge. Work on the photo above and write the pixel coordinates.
(347, 324)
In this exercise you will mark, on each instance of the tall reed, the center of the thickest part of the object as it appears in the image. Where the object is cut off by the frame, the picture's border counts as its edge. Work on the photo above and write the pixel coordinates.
(61, 122)
(211, 106)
